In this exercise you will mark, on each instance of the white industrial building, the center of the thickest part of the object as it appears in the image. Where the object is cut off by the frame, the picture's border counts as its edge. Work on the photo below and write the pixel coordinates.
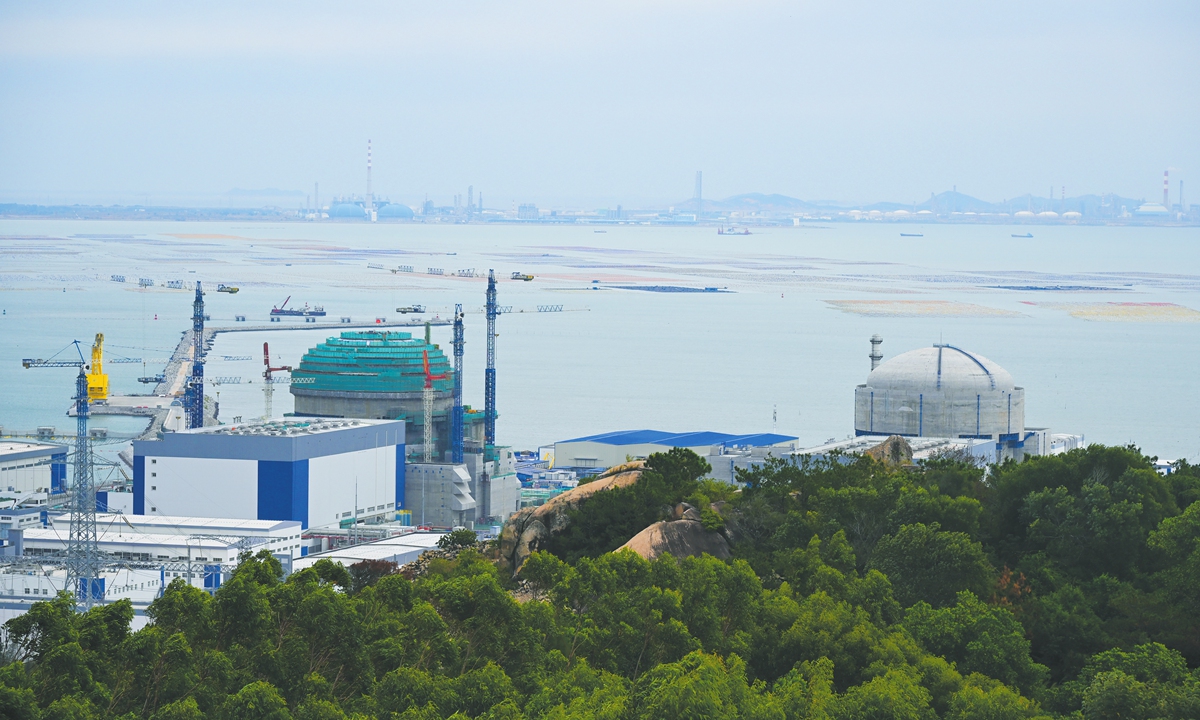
(609, 449)
(27, 467)
(439, 494)
(318, 472)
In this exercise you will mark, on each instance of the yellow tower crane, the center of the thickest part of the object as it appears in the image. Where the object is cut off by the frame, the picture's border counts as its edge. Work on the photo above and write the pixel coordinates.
(97, 379)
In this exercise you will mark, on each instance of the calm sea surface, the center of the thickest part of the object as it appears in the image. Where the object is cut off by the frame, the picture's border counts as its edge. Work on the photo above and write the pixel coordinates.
(1101, 325)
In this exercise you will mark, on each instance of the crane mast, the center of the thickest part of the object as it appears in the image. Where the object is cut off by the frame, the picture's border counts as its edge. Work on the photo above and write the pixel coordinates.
(456, 412)
(427, 450)
(268, 381)
(489, 375)
(194, 395)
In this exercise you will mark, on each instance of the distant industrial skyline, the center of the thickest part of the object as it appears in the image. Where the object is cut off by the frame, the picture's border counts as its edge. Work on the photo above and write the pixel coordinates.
(577, 105)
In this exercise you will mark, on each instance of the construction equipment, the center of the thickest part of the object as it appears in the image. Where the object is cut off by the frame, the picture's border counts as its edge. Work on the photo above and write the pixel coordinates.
(489, 374)
(193, 399)
(231, 289)
(269, 382)
(522, 276)
(83, 554)
(97, 379)
(411, 309)
(456, 412)
(428, 397)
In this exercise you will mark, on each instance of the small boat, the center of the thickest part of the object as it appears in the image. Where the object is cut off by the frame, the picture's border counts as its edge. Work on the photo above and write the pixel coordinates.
(227, 289)
(733, 231)
(521, 276)
(1026, 236)
(911, 235)
(599, 231)
(411, 309)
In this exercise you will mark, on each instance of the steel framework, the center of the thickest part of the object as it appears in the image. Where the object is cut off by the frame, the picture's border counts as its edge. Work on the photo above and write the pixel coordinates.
(194, 395)
(489, 375)
(83, 554)
(456, 412)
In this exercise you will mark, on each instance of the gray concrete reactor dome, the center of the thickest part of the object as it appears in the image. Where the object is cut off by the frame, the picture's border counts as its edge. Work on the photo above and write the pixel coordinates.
(940, 391)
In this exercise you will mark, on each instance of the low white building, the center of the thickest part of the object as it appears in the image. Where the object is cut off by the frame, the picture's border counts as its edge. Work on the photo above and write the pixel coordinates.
(400, 549)
(27, 467)
(317, 472)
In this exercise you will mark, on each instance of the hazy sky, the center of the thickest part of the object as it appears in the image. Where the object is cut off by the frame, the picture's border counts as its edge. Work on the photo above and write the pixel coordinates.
(595, 104)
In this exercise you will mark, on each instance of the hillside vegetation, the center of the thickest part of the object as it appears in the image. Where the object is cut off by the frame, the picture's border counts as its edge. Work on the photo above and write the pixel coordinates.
(1064, 586)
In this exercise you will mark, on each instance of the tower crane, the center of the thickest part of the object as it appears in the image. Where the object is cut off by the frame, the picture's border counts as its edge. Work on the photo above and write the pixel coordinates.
(268, 381)
(456, 412)
(97, 379)
(428, 397)
(193, 399)
(489, 373)
(83, 553)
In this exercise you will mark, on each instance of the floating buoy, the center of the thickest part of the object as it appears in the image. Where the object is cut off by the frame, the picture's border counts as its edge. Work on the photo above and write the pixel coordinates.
(155, 316)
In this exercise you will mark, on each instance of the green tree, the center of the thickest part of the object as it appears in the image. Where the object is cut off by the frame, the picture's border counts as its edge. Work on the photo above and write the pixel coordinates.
(458, 539)
(979, 638)
(927, 565)
(257, 701)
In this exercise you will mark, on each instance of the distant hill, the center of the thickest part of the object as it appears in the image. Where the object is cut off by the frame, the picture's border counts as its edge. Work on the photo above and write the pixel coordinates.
(760, 202)
(265, 192)
(943, 203)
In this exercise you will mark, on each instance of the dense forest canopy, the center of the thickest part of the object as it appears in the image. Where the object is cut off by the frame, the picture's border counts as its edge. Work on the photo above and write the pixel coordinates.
(1064, 586)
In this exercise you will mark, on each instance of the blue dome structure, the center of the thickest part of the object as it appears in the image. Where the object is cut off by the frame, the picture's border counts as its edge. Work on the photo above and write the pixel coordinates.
(395, 211)
(347, 210)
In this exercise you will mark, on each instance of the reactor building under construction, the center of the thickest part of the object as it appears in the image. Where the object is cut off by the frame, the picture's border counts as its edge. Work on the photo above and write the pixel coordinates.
(381, 375)
(389, 375)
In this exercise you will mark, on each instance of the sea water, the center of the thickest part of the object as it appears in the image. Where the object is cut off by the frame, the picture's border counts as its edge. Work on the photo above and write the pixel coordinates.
(1100, 325)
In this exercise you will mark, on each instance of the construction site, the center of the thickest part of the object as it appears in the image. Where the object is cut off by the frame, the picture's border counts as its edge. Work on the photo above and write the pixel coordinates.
(381, 447)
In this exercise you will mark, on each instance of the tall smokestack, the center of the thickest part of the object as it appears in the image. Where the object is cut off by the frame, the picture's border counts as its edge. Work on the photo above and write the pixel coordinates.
(875, 355)
(370, 197)
(1166, 189)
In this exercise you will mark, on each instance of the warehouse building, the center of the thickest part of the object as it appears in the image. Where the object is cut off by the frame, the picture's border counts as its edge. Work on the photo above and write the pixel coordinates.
(27, 467)
(314, 471)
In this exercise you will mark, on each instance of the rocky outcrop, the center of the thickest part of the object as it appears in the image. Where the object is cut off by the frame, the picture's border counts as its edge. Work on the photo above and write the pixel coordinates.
(681, 536)
(894, 451)
(531, 529)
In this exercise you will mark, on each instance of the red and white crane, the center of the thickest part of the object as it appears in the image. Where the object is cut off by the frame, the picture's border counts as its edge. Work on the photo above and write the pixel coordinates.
(428, 397)
(269, 381)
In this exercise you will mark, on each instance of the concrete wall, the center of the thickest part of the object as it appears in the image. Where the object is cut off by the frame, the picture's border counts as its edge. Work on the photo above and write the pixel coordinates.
(439, 494)
(380, 406)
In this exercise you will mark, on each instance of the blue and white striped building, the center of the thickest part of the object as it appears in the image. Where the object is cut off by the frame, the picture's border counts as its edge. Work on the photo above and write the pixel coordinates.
(319, 472)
